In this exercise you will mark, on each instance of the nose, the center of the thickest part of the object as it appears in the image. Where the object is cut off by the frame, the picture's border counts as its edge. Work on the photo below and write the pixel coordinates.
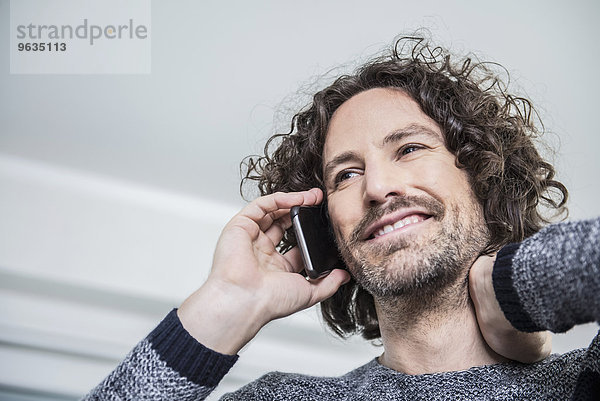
(381, 184)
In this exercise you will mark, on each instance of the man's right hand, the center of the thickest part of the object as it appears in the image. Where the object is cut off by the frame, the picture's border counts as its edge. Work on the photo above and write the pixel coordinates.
(251, 283)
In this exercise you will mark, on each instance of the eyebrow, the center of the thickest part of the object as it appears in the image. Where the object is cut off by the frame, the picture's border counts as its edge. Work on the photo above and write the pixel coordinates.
(411, 130)
(392, 137)
(336, 161)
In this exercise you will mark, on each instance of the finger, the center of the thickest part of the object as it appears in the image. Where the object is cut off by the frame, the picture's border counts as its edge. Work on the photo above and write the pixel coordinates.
(294, 259)
(278, 227)
(262, 209)
(480, 279)
(280, 214)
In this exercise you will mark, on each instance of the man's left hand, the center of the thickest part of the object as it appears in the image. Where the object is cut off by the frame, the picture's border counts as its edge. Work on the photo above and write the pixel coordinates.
(497, 331)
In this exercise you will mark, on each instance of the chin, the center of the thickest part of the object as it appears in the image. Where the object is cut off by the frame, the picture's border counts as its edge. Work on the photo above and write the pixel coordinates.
(408, 272)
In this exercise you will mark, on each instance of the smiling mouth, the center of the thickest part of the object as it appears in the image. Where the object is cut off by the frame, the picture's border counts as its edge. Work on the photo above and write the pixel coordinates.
(406, 221)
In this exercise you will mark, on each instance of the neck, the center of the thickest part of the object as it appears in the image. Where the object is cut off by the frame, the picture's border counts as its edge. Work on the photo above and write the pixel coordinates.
(439, 334)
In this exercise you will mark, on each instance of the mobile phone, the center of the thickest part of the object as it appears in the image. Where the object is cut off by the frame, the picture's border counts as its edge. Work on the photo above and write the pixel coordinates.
(315, 240)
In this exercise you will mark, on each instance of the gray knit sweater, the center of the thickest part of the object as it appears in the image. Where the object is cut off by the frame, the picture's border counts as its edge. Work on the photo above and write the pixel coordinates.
(549, 281)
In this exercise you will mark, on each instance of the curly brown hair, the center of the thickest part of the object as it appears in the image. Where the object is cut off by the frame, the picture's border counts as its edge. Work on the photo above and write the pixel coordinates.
(490, 131)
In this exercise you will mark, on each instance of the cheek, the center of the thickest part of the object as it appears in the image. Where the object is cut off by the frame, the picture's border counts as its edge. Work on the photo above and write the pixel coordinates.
(456, 188)
(445, 179)
(344, 213)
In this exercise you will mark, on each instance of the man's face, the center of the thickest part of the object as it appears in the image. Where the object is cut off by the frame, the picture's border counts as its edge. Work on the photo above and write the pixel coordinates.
(404, 215)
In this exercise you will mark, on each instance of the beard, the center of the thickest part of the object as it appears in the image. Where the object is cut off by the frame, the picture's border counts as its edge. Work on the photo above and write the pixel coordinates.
(417, 267)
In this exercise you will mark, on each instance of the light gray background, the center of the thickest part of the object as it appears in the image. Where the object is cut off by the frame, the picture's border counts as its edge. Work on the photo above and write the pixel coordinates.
(114, 187)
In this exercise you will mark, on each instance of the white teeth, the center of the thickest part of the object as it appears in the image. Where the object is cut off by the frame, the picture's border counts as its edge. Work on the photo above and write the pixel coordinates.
(399, 224)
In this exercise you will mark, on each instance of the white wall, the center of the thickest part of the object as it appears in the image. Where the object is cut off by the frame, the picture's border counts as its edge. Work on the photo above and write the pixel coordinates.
(113, 189)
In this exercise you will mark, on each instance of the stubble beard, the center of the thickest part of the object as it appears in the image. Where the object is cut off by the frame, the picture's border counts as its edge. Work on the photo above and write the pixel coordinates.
(418, 270)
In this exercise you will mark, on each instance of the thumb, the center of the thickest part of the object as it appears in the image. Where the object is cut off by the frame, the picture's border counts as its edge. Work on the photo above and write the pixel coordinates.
(328, 285)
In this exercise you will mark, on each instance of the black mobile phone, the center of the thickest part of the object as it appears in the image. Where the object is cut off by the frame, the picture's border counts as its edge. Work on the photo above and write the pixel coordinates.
(315, 240)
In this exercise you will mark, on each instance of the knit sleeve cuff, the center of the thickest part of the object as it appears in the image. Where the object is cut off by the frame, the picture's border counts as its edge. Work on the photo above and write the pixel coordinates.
(182, 353)
(506, 294)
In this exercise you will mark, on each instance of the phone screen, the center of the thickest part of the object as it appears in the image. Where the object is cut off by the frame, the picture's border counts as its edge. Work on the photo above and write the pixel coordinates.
(315, 240)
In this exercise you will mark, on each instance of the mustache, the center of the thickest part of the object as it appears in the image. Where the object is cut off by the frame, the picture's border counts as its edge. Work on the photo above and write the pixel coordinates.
(431, 205)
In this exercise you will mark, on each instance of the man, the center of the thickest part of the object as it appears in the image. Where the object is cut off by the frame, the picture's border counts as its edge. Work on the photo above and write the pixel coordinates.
(425, 165)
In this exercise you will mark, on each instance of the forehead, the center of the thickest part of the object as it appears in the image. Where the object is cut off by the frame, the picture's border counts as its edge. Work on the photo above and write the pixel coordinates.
(368, 117)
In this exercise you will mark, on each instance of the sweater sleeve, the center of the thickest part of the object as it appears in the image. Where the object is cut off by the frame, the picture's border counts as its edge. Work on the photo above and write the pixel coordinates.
(169, 364)
(551, 280)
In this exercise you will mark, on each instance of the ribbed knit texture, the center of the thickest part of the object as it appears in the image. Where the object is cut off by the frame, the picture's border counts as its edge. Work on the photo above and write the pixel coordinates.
(506, 293)
(551, 280)
(187, 356)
